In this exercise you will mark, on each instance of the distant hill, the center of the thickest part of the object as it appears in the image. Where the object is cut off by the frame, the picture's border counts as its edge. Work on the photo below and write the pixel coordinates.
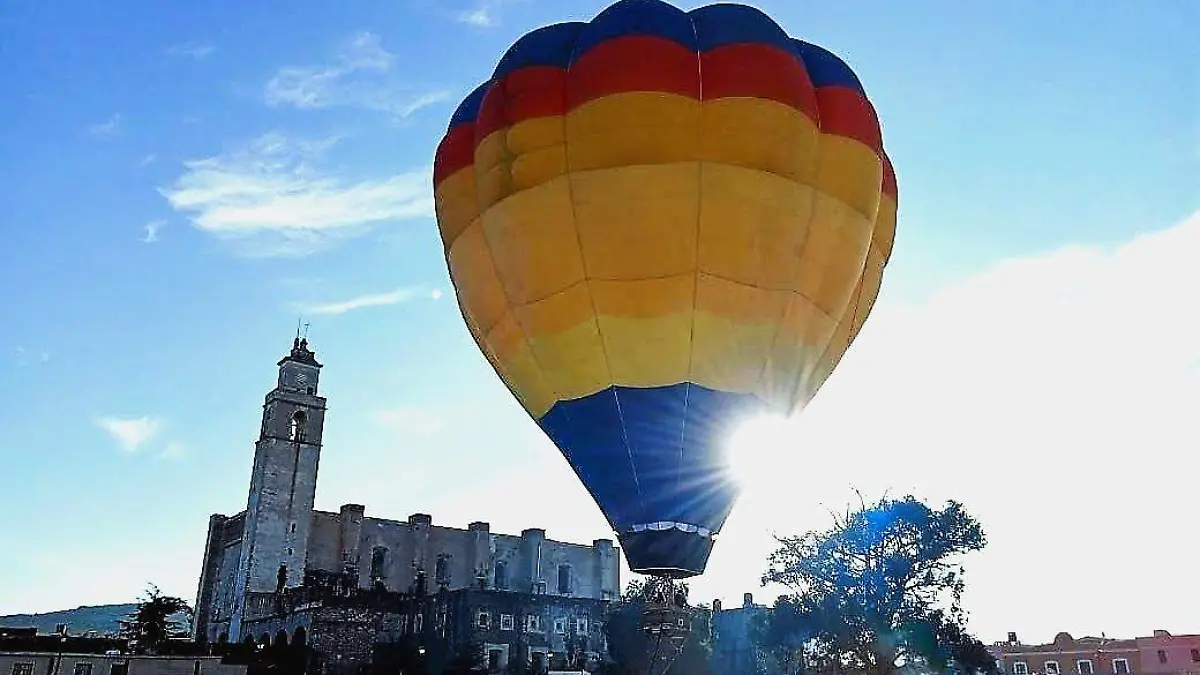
(104, 619)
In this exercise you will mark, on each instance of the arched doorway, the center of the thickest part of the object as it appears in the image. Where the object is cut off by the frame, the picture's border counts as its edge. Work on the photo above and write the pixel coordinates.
(281, 639)
(300, 637)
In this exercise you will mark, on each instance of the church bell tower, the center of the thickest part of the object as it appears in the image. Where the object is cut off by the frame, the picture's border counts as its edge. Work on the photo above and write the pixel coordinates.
(283, 484)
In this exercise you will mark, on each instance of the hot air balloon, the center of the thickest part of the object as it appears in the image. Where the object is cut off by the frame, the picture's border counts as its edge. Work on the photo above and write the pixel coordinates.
(658, 223)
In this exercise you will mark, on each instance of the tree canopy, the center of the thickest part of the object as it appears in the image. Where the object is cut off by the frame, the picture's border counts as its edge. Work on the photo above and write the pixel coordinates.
(878, 592)
(157, 619)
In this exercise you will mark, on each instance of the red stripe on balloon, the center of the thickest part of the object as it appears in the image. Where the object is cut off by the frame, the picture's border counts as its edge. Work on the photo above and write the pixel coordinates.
(633, 63)
(759, 71)
(844, 112)
(456, 151)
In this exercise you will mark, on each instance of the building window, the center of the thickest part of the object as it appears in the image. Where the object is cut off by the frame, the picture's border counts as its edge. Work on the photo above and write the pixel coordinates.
(418, 621)
(533, 623)
(1084, 666)
(494, 660)
(1000, 666)
(83, 669)
(1051, 668)
(560, 626)
(483, 620)
(506, 622)
(293, 528)
(1196, 655)
(403, 624)
(441, 570)
(1020, 668)
(564, 579)
(581, 625)
(1121, 666)
(1162, 656)
(501, 575)
(378, 562)
(296, 426)
(22, 669)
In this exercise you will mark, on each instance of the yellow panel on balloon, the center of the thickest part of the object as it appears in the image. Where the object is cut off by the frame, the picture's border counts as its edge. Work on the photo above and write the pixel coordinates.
(832, 255)
(802, 337)
(761, 134)
(493, 182)
(454, 203)
(885, 226)
(516, 364)
(646, 326)
(752, 225)
(633, 128)
(850, 172)
(538, 166)
(565, 338)
(533, 242)
(480, 292)
(537, 133)
(735, 327)
(637, 222)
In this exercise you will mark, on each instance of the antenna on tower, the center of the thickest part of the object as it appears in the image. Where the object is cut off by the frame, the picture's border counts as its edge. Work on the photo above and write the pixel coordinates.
(305, 335)
(298, 320)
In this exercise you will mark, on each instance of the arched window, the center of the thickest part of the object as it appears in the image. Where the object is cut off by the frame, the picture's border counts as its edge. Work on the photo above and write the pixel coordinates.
(564, 579)
(296, 428)
(378, 562)
(281, 639)
(441, 570)
(300, 638)
(501, 575)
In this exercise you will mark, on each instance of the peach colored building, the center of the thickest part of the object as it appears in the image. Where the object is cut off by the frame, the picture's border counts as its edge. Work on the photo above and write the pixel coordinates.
(1160, 654)
(1166, 654)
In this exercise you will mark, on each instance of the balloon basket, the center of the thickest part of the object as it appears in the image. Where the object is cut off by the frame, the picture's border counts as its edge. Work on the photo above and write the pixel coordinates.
(666, 622)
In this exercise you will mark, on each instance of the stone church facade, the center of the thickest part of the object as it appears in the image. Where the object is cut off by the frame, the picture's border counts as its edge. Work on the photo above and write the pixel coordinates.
(355, 587)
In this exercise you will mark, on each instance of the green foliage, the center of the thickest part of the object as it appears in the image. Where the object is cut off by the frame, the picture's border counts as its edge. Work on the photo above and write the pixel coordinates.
(153, 623)
(879, 591)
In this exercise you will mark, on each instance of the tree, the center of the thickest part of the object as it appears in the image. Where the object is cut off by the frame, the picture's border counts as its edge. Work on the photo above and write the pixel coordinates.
(878, 592)
(157, 619)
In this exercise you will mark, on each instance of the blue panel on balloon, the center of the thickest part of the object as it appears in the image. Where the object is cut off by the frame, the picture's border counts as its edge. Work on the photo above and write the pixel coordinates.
(654, 454)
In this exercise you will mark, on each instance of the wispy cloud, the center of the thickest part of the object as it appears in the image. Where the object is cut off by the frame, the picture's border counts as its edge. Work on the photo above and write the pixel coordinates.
(191, 49)
(400, 295)
(148, 160)
(107, 128)
(130, 433)
(420, 421)
(25, 357)
(359, 76)
(174, 450)
(270, 199)
(151, 228)
(484, 13)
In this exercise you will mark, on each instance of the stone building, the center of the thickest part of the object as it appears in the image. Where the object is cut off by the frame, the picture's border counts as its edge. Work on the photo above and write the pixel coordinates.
(283, 571)
(733, 648)
(39, 663)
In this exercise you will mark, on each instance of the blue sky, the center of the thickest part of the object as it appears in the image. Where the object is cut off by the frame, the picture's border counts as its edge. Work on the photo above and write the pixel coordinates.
(181, 181)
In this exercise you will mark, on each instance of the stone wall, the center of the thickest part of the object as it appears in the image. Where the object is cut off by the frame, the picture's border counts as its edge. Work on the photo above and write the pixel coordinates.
(103, 665)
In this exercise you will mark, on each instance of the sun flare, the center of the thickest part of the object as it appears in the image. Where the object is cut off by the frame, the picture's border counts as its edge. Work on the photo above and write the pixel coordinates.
(757, 452)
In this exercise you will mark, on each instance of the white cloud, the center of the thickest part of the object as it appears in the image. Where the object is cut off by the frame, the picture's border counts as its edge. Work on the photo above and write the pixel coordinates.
(191, 49)
(174, 450)
(359, 76)
(107, 128)
(131, 433)
(397, 296)
(148, 160)
(1054, 395)
(484, 13)
(270, 199)
(151, 228)
(421, 421)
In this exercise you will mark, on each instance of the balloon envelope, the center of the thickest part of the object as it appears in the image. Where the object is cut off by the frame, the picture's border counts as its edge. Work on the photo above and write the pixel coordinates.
(657, 223)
